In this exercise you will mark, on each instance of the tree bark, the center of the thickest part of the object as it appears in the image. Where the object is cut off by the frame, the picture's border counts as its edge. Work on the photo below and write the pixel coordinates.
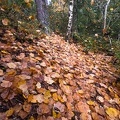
(42, 14)
(70, 21)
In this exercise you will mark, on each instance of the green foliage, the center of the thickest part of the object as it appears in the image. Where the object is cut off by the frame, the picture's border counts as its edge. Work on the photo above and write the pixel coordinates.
(21, 15)
(58, 17)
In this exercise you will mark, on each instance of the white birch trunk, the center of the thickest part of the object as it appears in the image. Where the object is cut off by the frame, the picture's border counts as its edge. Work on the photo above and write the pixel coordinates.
(69, 28)
(105, 14)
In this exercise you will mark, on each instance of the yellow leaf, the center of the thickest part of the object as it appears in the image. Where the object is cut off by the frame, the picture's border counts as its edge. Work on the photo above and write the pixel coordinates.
(111, 9)
(9, 112)
(90, 102)
(60, 98)
(54, 114)
(47, 94)
(31, 118)
(112, 112)
(4, 52)
(55, 96)
(46, 101)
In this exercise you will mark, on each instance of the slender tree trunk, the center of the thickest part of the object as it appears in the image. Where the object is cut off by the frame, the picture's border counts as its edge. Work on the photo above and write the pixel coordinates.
(42, 14)
(69, 28)
(105, 14)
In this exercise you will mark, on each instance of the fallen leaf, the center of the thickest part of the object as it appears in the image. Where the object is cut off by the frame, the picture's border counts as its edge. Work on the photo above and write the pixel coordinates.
(32, 118)
(43, 109)
(55, 96)
(11, 65)
(38, 85)
(43, 64)
(59, 107)
(99, 98)
(90, 102)
(85, 116)
(82, 107)
(24, 88)
(35, 98)
(1, 72)
(112, 112)
(5, 21)
(27, 107)
(9, 112)
(23, 114)
(25, 77)
(6, 84)
(47, 94)
(55, 75)
(48, 80)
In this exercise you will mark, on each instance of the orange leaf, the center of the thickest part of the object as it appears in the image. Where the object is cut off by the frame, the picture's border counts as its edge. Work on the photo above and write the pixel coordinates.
(55, 96)
(9, 112)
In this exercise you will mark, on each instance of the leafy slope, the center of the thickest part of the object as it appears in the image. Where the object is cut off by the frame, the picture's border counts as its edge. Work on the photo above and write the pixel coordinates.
(49, 79)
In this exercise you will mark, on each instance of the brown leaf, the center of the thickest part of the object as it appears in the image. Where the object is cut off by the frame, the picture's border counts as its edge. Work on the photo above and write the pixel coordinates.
(5, 21)
(1, 72)
(95, 116)
(6, 84)
(4, 93)
(11, 65)
(82, 107)
(27, 107)
(59, 106)
(85, 116)
(22, 114)
(43, 109)
(48, 80)
(35, 98)
(55, 75)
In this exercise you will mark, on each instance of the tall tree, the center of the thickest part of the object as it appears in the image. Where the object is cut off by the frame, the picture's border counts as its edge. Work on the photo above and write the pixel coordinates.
(70, 21)
(42, 14)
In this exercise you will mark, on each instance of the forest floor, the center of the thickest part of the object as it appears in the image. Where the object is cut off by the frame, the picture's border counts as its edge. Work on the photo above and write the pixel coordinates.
(50, 79)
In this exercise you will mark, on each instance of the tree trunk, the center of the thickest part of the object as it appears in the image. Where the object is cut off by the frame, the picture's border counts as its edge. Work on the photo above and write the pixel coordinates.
(42, 14)
(105, 14)
(69, 28)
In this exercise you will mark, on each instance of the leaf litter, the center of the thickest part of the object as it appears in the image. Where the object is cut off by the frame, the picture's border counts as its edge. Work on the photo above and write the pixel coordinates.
(53, 80)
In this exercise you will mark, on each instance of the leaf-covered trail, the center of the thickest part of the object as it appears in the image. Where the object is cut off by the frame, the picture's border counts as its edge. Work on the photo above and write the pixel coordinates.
(49, 79)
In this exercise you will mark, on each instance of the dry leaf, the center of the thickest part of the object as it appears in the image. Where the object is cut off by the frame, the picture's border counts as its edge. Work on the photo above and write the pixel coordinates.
(48, 80)
(24, 88)
(112, 112)
(6, 84)
(23, 114)
(32, 118)
(1, 72)
(38, 85)
(59, 107)
(99, 98)
(9, 112)
(5, 21)
(55, 96)
(55, 75)
(11, 65)
(27, 107)
(47, 94)
(90, 102)
(82, 107)
(43, 109)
